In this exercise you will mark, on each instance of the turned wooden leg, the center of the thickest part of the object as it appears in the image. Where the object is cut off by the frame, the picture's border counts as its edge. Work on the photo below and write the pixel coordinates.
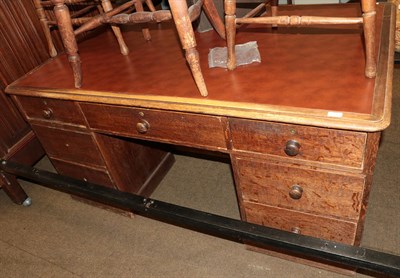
(230, 25)
(46, 28)
(369, 24)
(68, 37)
(12, 188)
(145, 31)
(212, 14)
(150, 5)
(274, 10)
(183, 24)
(107, 6)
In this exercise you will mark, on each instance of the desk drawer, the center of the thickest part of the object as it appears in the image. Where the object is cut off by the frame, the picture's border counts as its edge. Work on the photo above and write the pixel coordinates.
(74, 146)
(300, 142)
(303, 223)
(319, 192)
(171, 127)
(52, 110)
(80, 172)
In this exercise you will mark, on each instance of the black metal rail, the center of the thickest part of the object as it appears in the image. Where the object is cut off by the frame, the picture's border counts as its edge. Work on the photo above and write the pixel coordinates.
(346, 255)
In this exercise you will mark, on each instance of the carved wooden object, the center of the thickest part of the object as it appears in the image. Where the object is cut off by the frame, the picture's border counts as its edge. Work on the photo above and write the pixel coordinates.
(82, 12)
(368, 20)
(181, 14)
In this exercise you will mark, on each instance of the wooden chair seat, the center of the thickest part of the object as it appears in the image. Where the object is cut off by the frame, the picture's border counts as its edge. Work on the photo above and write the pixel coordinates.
(368, 20)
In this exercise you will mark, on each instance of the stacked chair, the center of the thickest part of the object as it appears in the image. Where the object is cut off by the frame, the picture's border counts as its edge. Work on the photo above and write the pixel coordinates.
(130, 12)
(368, 20)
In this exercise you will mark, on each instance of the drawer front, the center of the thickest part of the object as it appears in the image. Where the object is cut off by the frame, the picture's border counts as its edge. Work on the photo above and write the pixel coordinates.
(51, 110)
(325, 193)
(173, 127)
(303, 223)
(300, 142)
(80, 172)
(69, 145)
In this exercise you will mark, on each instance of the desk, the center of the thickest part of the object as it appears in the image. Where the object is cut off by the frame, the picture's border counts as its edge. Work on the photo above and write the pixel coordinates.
(302, 136)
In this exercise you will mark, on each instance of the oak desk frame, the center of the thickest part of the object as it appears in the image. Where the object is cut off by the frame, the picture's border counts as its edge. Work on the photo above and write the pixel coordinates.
(333, 164)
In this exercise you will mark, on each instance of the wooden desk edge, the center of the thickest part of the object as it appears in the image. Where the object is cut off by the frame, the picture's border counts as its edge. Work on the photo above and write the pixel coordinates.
(378, 120)
(312, 117)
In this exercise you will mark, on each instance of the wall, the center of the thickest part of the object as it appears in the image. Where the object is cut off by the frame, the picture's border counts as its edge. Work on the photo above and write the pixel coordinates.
(22, 48)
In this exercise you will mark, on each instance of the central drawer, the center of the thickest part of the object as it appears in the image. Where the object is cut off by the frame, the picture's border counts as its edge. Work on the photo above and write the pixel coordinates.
(164, 126)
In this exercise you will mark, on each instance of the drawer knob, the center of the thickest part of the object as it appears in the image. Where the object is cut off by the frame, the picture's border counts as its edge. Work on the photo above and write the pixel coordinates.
(292, 148)
(142, 126)
(296, 192)
(47, 113)
(296, 230)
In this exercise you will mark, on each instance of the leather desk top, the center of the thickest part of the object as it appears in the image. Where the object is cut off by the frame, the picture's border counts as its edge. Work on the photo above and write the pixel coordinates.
(308, 75)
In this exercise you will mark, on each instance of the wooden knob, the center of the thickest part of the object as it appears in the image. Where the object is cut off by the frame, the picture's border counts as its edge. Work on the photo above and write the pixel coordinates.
(142, 126)
(47, 113)
(296, 192)
(292, 148)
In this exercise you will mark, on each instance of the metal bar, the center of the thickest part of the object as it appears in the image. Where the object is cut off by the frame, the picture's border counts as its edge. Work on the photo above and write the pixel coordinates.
(355, 257)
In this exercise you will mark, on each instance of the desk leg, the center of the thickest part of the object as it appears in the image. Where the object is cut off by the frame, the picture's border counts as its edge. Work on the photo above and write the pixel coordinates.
(14, 190)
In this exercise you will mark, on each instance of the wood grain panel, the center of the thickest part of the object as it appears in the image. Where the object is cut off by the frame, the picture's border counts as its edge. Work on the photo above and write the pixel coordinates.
(21, 39)
(306, 224)
(12, 125)
(74, 146)
(171, 127)
(136, 168)
(80, 172)
(316, 144)
(21, 49)
(325, 193)
(52, 110)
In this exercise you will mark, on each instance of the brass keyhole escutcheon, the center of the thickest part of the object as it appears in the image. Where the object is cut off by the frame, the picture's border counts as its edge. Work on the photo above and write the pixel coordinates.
(47, 113)
(292, 148)
(142, 126)
(296, 192)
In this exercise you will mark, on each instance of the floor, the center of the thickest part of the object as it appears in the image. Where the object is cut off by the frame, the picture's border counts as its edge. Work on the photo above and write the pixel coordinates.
(58, 236)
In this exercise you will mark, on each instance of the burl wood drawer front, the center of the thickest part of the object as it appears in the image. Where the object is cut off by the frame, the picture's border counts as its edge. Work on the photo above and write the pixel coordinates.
(303, 223)
(68, 145)
(173, 127)
(309, 143)
(52, 110)
(80, 172)
(325, 193)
